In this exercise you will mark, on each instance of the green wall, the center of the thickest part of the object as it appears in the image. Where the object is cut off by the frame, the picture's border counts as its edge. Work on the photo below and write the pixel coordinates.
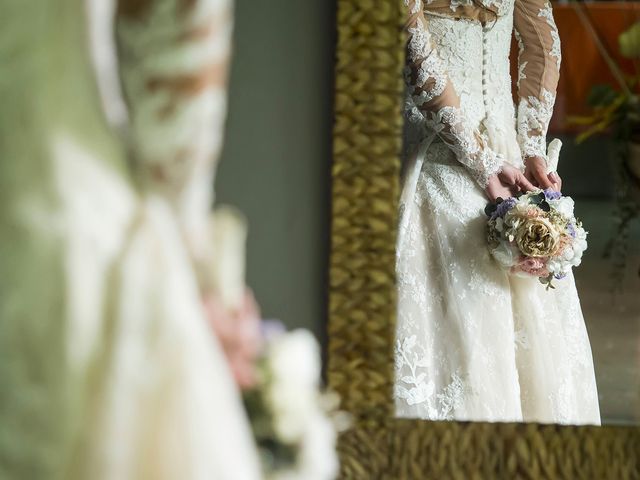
(276, 160)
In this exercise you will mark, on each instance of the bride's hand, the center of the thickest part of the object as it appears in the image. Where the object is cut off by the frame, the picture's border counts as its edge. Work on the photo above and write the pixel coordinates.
(507, 183)
(238, 331)
(536, 173)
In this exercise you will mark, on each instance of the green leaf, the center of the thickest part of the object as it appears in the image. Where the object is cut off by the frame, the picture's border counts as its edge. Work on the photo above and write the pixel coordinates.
(601, 95)
(490, 208)
(537, 199)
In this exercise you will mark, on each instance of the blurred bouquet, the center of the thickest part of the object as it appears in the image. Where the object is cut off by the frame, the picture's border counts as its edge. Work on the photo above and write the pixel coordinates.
(536, 234)
(294, 424)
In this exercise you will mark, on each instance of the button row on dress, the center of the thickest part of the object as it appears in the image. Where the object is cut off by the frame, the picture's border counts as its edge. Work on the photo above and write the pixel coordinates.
(484, 69)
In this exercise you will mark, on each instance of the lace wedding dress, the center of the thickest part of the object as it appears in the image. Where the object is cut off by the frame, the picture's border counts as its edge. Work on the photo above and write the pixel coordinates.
(108, 368)
(474, 343)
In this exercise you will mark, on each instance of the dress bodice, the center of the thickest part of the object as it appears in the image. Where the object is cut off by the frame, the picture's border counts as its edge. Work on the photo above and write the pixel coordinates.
(476, 57)
(459, 82)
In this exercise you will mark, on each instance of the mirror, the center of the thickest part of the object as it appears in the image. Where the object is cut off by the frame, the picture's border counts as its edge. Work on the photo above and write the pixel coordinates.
(502, 314)
(363, 292)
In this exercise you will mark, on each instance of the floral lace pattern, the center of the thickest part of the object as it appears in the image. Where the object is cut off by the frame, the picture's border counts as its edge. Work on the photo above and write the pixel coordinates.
(473, 343)
(538, 74)
(433, 95)
(534, 115)
(468, 145)
(547, 13)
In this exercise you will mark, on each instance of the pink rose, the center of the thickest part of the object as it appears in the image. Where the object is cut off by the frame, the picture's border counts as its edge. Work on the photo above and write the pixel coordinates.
(536, 267)
(565, 241)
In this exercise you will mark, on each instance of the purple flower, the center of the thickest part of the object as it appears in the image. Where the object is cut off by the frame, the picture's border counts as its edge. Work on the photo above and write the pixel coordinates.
(551, 194)
(571, 228)
(504, 207)
(560, 276)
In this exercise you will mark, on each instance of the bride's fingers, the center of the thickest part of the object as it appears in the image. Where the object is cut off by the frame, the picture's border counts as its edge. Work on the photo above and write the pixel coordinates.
(557, 181)
(524, 183)
(529, 176)
(542, 178)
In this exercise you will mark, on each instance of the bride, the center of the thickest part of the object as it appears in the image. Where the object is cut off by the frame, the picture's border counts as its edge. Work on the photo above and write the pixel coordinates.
(474, 343)
(108, 367)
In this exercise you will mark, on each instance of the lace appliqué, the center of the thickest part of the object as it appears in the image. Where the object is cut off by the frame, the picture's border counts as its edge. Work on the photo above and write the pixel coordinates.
(430, 75)
(555, 52)
(431, 69)
(534, 115)
(420, 390)
(455, 4)
(521, 65)
(427, 79)
(469, 147)
(417, 6)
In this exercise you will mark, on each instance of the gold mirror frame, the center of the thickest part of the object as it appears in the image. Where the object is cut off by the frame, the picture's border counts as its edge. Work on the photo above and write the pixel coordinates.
(366, 156)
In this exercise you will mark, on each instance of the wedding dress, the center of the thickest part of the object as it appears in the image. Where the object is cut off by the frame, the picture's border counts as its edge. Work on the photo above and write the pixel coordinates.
(108, 368)
(474, 343)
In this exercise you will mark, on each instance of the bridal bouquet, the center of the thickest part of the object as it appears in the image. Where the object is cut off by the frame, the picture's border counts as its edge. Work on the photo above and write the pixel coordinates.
(295, 425)
(536, 234)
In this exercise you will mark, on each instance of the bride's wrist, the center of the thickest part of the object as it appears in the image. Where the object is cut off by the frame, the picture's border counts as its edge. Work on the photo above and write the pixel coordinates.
(533, 159)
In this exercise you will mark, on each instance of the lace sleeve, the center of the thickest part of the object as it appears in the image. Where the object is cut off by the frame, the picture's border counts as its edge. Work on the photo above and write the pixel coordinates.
(437, 100)
(538, 72)
(173, 59)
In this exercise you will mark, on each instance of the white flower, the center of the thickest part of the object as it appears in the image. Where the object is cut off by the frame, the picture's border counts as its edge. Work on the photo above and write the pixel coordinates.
(554, 266)
(293, 361)
(300, 418)
(567, 254)
(564, 206)
(318, 459)
(506, 254)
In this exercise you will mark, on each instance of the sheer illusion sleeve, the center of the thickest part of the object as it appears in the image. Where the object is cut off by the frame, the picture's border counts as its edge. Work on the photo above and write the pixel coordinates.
(435, 97)
(173, 59)
(538, 72)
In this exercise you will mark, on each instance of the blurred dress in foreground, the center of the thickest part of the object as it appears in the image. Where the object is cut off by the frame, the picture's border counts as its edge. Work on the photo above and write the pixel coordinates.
(108, 369)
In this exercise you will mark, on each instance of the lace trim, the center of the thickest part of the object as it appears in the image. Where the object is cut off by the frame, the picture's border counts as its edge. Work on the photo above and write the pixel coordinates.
(430, 69)
(521, 65)
(427, 79)
(534, 115)
(419, 41)
(469, 146)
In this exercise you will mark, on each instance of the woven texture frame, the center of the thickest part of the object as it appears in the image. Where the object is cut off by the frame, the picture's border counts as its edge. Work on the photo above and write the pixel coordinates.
(367, 144)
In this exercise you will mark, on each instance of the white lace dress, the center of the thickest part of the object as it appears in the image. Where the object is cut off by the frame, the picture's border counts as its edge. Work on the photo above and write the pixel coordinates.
(474, 343)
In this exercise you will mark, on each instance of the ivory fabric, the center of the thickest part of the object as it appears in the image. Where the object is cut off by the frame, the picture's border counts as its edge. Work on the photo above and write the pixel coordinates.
(473, 342)
(108, 368)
